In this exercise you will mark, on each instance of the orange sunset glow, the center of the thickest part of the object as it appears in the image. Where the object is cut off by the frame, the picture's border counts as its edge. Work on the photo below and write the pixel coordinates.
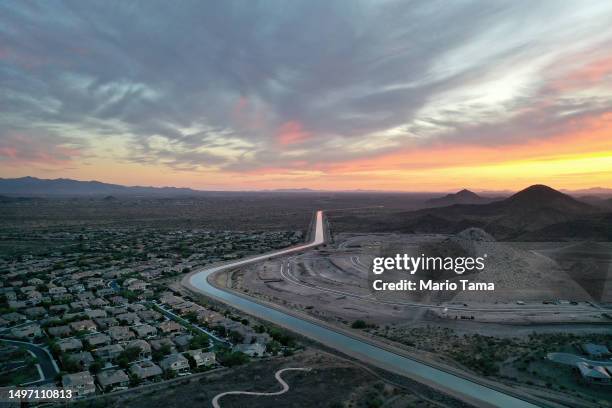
(487, 103)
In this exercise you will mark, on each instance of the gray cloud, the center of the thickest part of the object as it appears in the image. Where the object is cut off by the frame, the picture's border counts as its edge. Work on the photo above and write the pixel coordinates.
(156, 71)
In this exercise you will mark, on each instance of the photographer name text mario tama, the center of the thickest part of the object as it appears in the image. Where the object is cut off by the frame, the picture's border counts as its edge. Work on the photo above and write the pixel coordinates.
(408, 285)
(412, 264)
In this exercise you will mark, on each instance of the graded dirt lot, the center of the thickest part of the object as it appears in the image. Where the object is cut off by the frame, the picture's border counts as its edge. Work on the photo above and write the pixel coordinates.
(334, 283)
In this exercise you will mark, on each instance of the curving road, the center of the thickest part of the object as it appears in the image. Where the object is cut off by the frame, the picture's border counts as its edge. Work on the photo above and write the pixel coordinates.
(215, 401)
(467, 388)
(45, 360)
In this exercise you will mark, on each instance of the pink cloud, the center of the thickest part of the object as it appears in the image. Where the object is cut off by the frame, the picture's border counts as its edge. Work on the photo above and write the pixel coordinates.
(21, 149)
(590, 74)
(240, 106)
(292, 132)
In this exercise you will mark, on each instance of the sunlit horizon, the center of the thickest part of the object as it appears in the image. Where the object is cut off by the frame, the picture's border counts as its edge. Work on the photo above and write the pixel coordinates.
(247, 96)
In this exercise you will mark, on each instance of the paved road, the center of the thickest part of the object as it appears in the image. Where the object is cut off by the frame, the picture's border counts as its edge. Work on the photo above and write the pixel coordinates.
(215, 401)
(45, 360)
(470, 389)
(171, 315)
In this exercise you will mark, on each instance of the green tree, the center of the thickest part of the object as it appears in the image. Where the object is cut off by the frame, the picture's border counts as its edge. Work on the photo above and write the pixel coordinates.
(359, 324)
(235, 358)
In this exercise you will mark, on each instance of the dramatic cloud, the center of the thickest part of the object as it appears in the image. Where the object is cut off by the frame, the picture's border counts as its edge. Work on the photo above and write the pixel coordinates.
(293, 88)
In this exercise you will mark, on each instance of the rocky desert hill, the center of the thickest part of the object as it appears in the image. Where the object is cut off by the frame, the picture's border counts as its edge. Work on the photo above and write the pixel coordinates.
(535, 213)
(461, 197)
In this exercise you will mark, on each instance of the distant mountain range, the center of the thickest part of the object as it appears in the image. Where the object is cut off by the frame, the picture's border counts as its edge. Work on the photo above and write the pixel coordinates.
(535, 213)
(593, 191)
(35, 187)
(462, 197)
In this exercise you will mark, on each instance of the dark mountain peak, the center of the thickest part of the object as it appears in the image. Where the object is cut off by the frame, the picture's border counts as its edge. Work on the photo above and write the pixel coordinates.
(461, 197)
(540, 189)
(466, 193)
(539, 196)
(539, 192)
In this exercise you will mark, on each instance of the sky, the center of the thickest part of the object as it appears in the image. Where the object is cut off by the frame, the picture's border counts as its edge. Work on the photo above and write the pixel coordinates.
(338, 95)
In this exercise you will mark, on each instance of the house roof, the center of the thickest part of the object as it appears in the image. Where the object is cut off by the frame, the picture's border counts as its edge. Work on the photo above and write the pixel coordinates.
(110, 377)
(595, 349)
(77, 379)
(145, 369)
(591, 371)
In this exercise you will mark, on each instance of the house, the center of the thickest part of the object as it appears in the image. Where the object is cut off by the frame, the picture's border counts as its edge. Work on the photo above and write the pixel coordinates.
(202, 358)
(78, 288)
(13, 317)
(79, 305)
(94, 283)
(71, 344)
(29, 331)
(182, 341)
(98, 339)
(158, 344)
(150, 274)
(252, 350)
(120, 333)
(185, 307)
(81, 384)
(59, 331)
(105, 291)
(35, 312)
(108, 353)
(35, 297)
(106, 322)
(145, 348)
(27, 289)
(175, 362)
(59, 309)
(84, 359)
(57, 290)
(144, 331)
(116, 310)
(17, 304)
(170, 299)
(136, 307)
(594, 350)
(83, 325)
(67, 297)
(170, 326)
(134, 284)
(10, 295)
(98, 302)
(35, 282)
(145, 369)
(261, 338)
(119, 300)
(109, 379)
(149, 316)
(95, 313)
(128, 318)
(593, 374)
(209, 317)
(86, 296)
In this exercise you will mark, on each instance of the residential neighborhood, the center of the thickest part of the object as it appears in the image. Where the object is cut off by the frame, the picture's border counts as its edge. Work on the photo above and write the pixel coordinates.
(110, 323)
